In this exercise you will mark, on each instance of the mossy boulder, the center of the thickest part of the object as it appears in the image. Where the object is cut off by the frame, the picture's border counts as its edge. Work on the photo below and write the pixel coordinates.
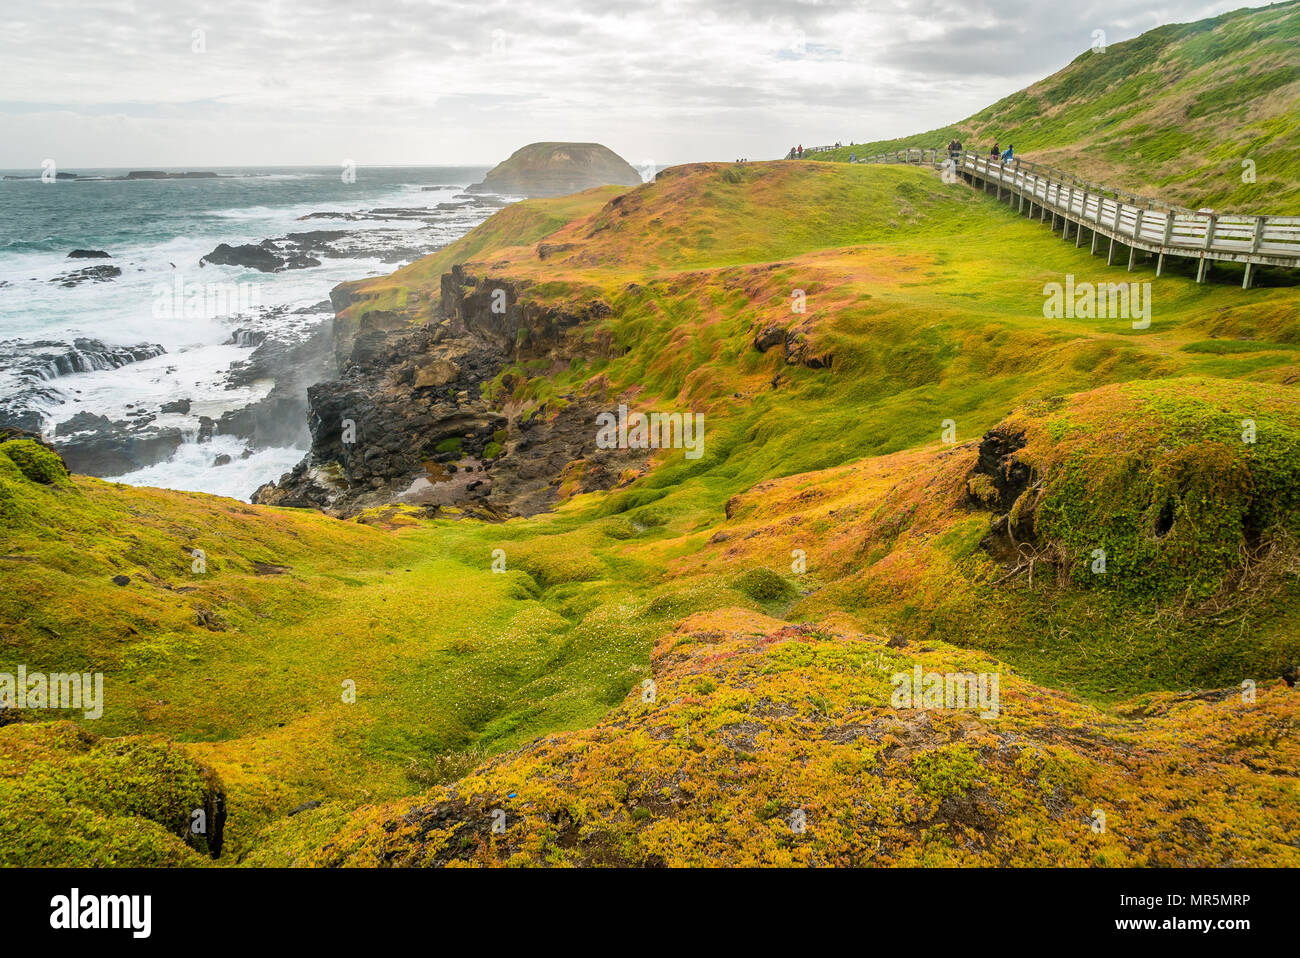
(1176, 488)
(36, 462)
(72, 799)
(765, 586)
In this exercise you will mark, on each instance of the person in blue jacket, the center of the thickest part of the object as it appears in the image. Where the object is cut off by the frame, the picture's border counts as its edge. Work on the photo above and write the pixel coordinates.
(1009, 155)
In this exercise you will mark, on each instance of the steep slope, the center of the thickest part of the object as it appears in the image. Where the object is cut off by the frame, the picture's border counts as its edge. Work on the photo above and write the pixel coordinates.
(1199, 114)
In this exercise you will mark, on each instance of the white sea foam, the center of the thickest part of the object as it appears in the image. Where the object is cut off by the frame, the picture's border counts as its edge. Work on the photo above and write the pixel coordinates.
(198, 359)
(193, 469)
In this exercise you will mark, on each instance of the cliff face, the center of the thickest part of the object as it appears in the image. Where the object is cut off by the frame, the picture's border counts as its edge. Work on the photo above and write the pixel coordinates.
(557, 169)
(414, 418)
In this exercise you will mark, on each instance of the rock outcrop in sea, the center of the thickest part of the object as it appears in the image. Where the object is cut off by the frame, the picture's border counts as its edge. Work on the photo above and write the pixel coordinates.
(557, 169)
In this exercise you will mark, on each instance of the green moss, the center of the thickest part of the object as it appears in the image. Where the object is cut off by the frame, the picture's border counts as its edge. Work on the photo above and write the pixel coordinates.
(71, 800)
(946, 772)
(36, 462)
(765, 586)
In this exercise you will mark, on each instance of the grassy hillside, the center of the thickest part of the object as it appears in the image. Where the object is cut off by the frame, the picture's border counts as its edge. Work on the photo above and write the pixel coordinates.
(922, 323)
(1172, 113)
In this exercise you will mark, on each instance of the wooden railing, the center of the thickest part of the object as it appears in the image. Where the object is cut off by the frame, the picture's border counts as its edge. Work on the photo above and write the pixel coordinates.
(1135, 221)
(794, 154)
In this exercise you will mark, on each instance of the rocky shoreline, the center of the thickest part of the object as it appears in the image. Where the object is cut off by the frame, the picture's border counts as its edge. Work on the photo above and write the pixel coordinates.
(289, 348)
(413, 419)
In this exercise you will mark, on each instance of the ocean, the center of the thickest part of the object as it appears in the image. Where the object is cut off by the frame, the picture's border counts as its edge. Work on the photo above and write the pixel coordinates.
(121, 346)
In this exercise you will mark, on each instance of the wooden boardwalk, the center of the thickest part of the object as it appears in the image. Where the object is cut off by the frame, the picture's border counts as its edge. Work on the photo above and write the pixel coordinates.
(1121, 218)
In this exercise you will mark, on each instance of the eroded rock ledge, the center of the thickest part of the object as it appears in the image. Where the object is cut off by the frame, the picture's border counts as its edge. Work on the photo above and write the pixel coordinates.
(419, 417)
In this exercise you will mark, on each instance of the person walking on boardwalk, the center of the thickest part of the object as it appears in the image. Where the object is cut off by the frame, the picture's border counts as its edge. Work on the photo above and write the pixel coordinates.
(1009, 155)
(801, 151)
(994, 153)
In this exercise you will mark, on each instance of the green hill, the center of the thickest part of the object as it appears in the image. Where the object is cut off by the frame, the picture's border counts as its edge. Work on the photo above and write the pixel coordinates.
(1172, 113)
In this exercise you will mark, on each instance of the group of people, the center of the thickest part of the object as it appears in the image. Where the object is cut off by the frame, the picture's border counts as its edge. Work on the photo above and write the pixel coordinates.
(796, 152)
(1006, 156)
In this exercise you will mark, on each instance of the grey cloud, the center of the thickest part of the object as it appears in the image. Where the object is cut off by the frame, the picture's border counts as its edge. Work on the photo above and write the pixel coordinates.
(673, 79)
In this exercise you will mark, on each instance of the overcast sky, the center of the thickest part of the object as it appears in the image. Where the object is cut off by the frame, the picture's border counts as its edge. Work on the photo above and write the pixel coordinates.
(130, 83)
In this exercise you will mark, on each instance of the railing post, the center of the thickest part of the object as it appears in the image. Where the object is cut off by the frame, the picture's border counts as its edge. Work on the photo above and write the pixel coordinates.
(1137, 233)
(1255, 243)
(1204, 267)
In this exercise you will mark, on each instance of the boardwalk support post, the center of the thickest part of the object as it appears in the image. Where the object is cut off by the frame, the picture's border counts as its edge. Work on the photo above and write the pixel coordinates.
(1255, 242)
(1204, 268)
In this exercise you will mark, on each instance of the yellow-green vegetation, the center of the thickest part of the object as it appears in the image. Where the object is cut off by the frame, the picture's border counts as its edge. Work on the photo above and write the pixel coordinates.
(1174, 113)
(826, 511)
(754, 722)
(71, 798)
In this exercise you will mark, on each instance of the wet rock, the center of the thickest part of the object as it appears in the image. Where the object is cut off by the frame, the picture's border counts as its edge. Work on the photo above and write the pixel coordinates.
(406, 421)
(249, 255)
(88, 254)
(122, 449)
(181, 406)
(91, 274)
(84, 422)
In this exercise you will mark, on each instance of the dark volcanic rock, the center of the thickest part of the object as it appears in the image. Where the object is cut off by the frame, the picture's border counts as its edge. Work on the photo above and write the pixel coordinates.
(258, 257)
(47, 359)
(94, 274)
(159, 175)
(406, 422)
(94, 445)
(36, 364)
(280, 418)
(118, 451)
(88, 254)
